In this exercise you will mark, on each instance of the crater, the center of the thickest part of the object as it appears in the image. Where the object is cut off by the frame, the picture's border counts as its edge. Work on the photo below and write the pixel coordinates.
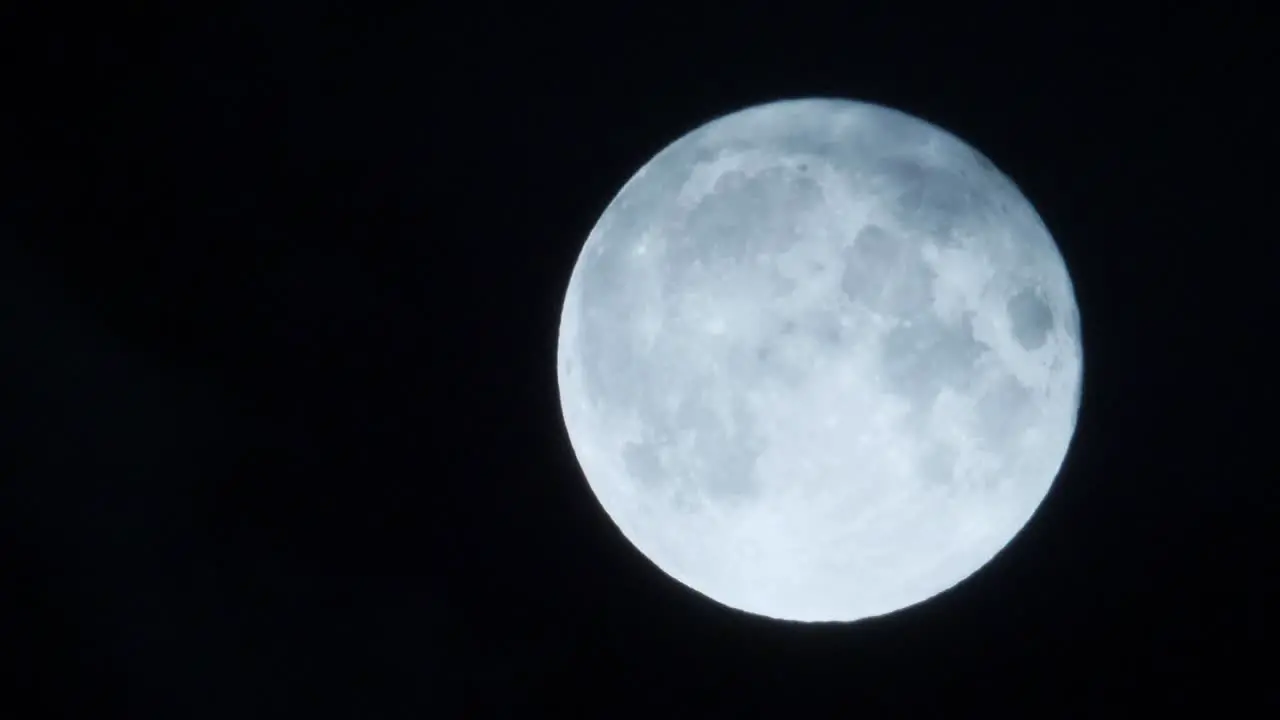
(1031, 317)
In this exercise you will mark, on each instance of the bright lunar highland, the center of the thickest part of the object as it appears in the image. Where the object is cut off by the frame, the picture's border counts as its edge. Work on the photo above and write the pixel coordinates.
(820, 360)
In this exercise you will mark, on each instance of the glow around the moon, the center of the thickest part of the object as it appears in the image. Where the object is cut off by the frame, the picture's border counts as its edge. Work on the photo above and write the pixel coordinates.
(820, 360)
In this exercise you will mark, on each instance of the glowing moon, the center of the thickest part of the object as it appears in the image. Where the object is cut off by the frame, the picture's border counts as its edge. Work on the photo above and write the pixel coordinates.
(820, 360)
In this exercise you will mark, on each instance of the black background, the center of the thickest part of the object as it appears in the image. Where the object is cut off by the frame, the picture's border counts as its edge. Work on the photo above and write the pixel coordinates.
(279, 293)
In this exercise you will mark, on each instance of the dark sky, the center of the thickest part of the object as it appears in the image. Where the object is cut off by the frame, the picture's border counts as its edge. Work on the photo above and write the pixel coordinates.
(279, 291)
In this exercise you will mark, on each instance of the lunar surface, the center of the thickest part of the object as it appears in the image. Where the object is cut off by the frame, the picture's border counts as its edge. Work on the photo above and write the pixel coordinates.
(820, 360)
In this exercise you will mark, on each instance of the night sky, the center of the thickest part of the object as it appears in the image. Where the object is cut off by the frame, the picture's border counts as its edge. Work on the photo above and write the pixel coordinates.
(279, 294)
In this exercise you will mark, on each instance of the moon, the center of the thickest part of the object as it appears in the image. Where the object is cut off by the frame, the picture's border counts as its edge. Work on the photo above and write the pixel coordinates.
(819, 360)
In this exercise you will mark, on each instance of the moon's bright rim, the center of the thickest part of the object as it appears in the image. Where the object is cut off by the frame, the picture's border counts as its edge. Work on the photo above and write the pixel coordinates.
(819, 360)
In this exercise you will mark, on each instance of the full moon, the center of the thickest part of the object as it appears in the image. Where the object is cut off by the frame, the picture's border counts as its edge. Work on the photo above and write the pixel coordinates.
(819, 360)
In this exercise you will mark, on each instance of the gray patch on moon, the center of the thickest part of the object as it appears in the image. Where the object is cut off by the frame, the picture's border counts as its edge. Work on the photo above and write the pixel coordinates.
(643, 463)
(920, 359)
(937, 464)
(931, 199)
(742, 217)
(1003, 411)
(886, 273)
(704, 455)
(692, 450)
(1031, 317)
(865, 261)
(727, 452)
(784, 351)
